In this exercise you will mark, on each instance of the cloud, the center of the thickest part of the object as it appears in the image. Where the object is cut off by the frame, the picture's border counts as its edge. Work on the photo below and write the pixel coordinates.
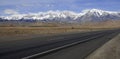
(10, 11)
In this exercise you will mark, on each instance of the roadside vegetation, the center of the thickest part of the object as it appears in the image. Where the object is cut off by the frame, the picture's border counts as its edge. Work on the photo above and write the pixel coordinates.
(54, 28)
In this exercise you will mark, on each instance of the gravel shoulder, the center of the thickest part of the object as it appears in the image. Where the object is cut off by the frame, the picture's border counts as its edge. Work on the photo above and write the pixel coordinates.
(110, 50)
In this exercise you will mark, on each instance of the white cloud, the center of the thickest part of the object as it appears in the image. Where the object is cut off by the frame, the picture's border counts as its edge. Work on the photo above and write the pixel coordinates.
(10, 11)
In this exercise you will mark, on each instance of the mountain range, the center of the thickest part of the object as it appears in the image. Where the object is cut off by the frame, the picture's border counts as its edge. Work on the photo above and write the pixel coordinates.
(92, 15)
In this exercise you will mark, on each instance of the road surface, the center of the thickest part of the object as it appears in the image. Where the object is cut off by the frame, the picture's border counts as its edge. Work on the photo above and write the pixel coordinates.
(65, 46)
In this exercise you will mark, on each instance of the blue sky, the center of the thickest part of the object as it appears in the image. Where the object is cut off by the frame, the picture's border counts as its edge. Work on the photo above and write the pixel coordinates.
(33, 6)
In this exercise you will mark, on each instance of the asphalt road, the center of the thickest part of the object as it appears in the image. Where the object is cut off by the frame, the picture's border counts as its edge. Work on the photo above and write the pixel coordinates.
(86, 43)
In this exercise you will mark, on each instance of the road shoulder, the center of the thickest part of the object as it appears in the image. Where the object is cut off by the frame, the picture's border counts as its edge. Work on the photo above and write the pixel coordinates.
(110, 50)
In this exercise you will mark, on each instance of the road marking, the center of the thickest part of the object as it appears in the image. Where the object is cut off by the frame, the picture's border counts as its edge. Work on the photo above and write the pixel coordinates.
(51, 50)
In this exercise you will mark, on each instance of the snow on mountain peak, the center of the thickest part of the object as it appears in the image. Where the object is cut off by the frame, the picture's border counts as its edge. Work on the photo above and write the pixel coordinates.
(64, 15)
(96, 12)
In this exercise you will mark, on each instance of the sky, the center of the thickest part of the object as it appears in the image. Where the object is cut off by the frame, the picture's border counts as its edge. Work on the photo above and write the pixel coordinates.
(33, 6)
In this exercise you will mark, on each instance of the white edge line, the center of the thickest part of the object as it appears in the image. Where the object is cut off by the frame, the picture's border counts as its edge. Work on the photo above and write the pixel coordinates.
(56, 48)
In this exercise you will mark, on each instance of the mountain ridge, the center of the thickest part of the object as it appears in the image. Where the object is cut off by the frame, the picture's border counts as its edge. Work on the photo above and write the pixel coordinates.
(67, 16)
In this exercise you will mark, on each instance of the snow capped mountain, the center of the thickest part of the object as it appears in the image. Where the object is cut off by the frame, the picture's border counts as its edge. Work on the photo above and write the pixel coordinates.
(98, 15)
(67, 16)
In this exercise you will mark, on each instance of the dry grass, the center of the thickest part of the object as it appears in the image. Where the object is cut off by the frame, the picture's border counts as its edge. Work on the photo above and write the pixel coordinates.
(43, 30)
(37, 30)
(57, 28)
